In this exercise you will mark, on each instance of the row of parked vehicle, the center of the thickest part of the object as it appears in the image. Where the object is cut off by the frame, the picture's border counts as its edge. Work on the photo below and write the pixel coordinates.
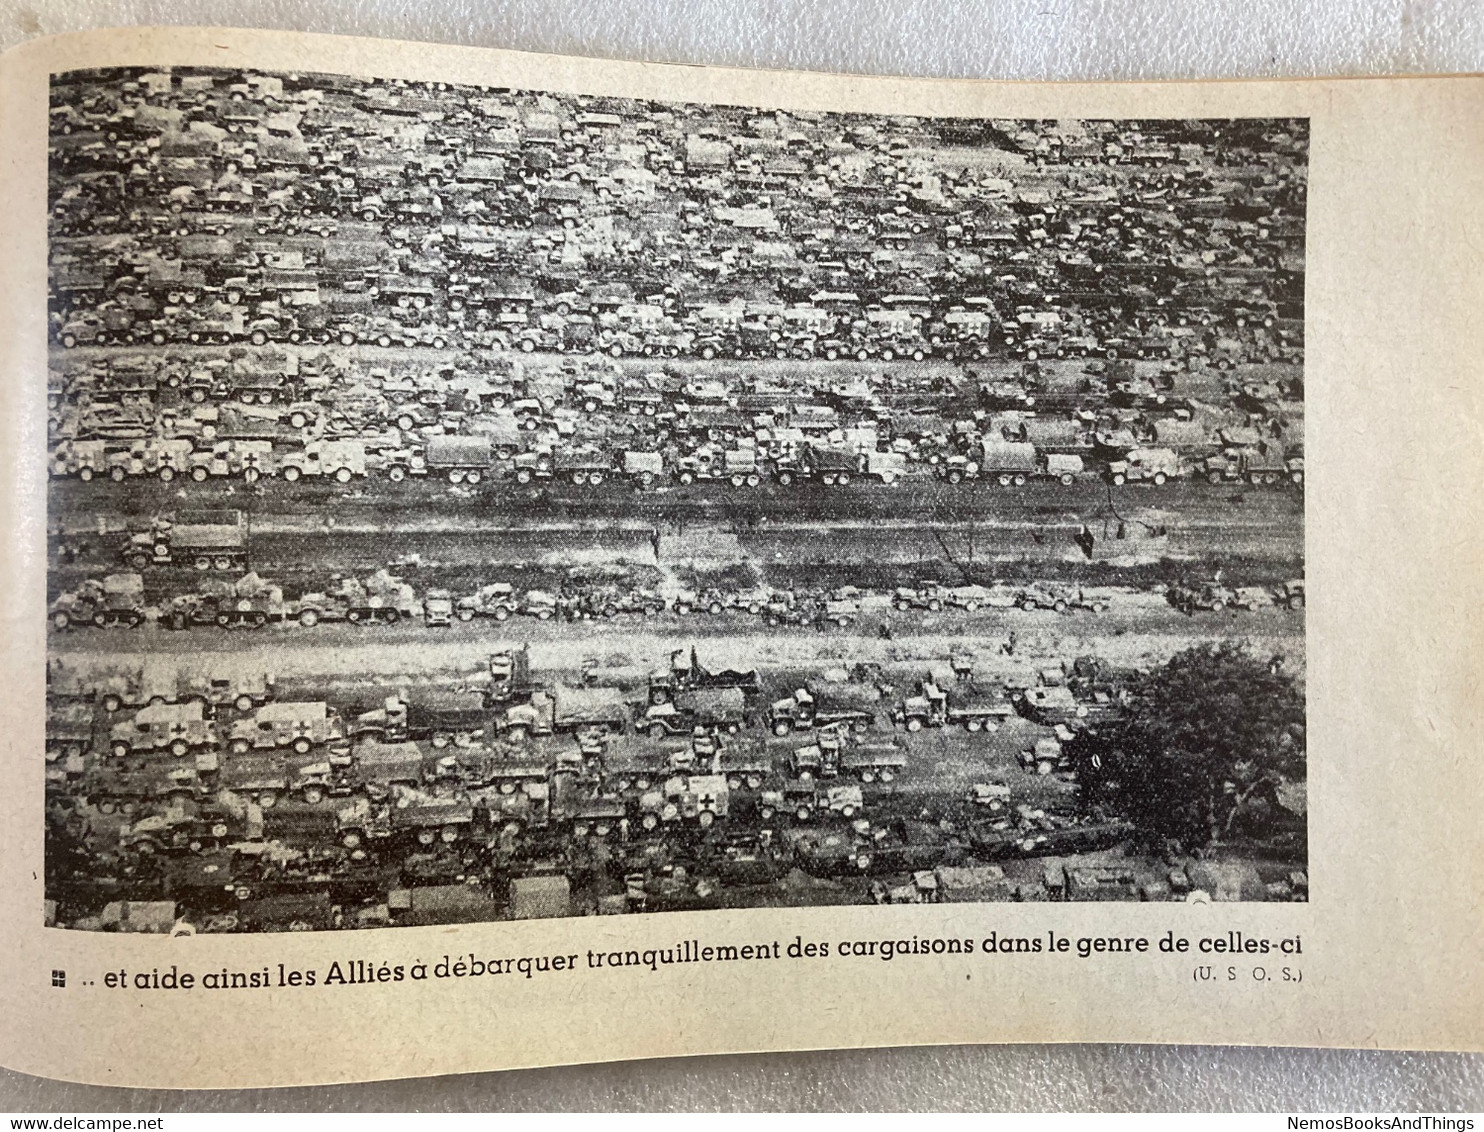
(617, 789)
(207, 205)
(383, 597)
(672, 747)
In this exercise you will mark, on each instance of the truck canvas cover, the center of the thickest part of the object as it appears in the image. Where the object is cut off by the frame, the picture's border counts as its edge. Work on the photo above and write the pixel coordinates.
(459, 450)
(208, 529)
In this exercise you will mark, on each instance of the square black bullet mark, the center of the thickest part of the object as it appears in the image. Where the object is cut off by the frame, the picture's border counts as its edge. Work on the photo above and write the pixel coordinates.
(59, 978)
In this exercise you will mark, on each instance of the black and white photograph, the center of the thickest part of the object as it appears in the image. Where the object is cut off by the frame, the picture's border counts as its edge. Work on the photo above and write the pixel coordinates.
(472, 504)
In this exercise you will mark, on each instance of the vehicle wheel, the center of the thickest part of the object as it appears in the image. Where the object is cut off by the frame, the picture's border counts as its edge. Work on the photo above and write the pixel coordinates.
(501, 613)
(301, 745)
(803, 813)
(396, 474)
(868, 776)
(1118, 479)
(705, 819)
(111, 704)
(543, 615)
(714, 608)
(782, 728)
(222, 563)
(456, 476)
(201, 562)
(308, 618)
(251, 475)
(1159, 479)
(180, 748)
(971, 606)
(313, 795)
(1067, 479)
(106, 805)
(973, 725)
(166, 474)
(595, 478)
(291, 474)
(914, 725)
(100, 619)
(888, 775)
(766, 813)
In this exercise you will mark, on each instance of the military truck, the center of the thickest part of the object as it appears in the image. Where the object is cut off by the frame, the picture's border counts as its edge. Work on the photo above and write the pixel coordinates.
(801, 711)
(255, 776)
(430, 818)
(686, 672)
(831, 466)
(301, 725)
(736, 466)
(164, 459)
(180, 728)
(713, 709)
(644, 469)
(460, 459)
(69, 730)
(1147, 465)
(744, 762)
(804, 801)
(379, 765)
(933, 707)
(251, 459)
(205, 540)
(340, 460)
(510, 675)
(1261, 462)
(582, 466)
(85, 459)
(698, 798)
(565, 710)
(439, 715)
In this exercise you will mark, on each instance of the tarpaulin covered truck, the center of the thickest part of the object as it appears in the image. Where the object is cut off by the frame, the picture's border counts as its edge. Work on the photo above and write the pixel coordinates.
(566, 710)
(462, 459)
(722, 709)
(205, 540)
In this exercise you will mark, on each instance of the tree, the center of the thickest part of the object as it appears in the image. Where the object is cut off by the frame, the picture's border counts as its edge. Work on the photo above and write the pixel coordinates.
(1208, 738)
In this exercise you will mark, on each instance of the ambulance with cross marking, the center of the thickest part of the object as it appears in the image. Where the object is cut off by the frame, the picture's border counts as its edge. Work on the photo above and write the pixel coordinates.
(300, 725)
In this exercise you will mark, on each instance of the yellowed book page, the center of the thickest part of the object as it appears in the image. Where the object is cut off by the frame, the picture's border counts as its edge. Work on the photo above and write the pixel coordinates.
(690, 560)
